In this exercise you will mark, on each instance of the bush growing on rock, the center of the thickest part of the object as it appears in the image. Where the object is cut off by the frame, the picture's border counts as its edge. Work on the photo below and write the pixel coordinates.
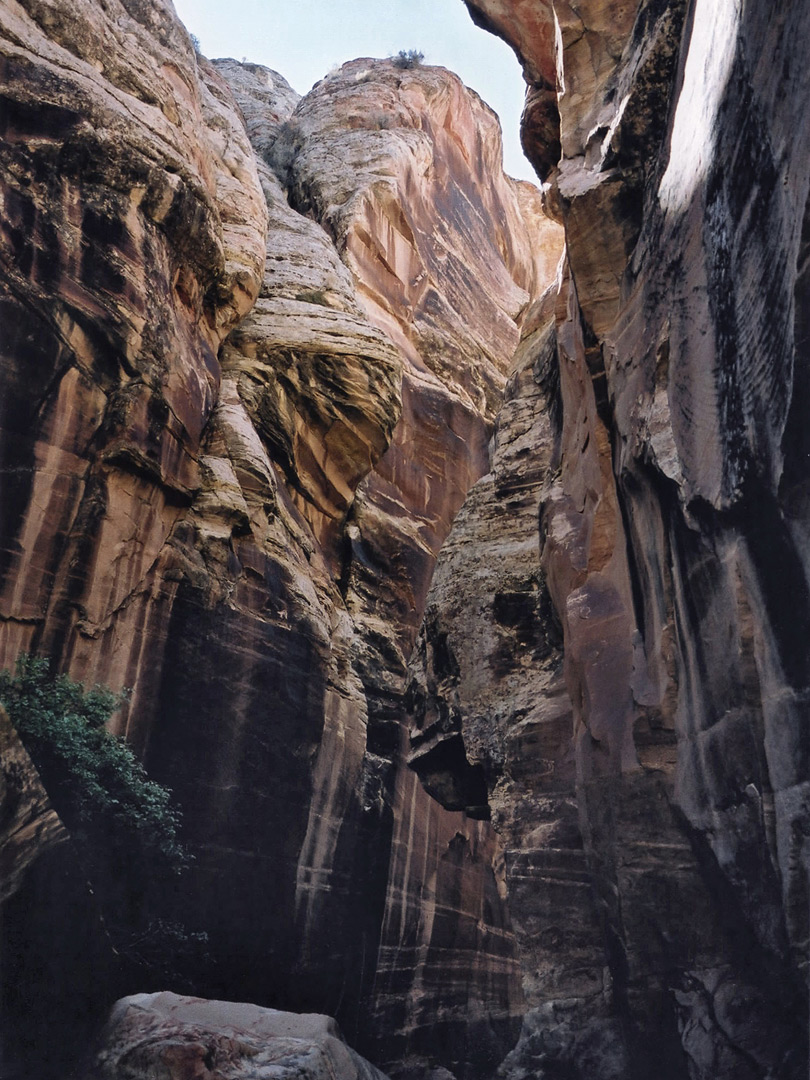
(379, 121)
(97, 786)
(408, 59)
(125, 828)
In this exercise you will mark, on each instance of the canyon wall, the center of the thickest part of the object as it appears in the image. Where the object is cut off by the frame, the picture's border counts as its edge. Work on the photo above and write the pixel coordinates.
(254, 351)
(265, 361)
(616, 634)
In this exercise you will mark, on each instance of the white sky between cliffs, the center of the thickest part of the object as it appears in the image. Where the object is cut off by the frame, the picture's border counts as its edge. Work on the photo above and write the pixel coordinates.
(303, 39)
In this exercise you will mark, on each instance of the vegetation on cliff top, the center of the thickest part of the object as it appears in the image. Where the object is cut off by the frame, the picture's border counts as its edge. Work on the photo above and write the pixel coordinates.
(408, 59)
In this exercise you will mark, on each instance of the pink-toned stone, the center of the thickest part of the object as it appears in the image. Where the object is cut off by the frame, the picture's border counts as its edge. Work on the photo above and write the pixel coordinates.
(673, 494)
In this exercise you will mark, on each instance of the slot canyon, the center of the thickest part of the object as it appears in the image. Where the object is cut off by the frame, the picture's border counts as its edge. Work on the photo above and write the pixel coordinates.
(445, 537)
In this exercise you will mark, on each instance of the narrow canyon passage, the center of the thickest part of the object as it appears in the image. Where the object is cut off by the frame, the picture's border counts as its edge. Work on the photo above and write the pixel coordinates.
(448, 533)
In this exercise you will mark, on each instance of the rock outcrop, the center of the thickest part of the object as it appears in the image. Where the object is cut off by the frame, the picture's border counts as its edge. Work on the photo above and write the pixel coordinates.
(628, 667)
(133, 241)
(245, 394)
(30, 826)
(148, 1035)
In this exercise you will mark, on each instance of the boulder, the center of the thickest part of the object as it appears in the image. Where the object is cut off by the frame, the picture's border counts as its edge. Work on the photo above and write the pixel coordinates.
(165, 1036)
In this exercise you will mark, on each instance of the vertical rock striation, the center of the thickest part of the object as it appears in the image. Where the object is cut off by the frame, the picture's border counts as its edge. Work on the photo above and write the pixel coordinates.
(133, 234)
(645, 633)
(244, 394)
(403, 170)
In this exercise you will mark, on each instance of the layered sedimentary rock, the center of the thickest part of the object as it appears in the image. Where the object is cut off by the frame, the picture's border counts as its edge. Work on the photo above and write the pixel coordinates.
(245, 393)
(244, 396)
(384, 158)
(133, 240)
(641, 720)
(179, 1037)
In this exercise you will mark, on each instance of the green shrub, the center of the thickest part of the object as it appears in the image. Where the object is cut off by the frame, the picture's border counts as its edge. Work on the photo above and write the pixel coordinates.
(97, 786)
(410, 59)
(124, 826)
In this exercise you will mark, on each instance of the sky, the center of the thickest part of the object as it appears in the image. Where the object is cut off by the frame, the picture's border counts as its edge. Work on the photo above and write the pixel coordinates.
(303, 39)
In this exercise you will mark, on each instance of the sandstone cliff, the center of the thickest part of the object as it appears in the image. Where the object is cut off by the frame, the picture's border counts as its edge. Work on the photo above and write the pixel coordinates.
(246, 392)
(259, 373)
(616, 634)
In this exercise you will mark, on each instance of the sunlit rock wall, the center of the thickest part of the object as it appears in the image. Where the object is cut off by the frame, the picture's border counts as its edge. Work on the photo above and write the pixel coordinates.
(402, 167)
(244, 394)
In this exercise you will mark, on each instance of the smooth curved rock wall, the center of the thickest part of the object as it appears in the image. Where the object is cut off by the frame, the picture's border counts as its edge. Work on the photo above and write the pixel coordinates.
(672, 783)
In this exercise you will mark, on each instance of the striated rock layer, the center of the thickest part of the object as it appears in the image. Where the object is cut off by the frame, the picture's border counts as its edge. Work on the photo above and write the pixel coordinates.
(616, 635)
(402, 169)
(244, 395)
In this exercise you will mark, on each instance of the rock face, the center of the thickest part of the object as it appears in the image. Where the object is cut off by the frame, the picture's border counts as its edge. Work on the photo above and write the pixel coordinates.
(244, 395)
(30, 827)
(176, 1038)
(416, 234)
(254, 350)
(628, 668)
(133, 240)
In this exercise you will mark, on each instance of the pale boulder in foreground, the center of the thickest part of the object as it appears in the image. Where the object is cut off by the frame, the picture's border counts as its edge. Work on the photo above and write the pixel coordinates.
(167, 1036)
